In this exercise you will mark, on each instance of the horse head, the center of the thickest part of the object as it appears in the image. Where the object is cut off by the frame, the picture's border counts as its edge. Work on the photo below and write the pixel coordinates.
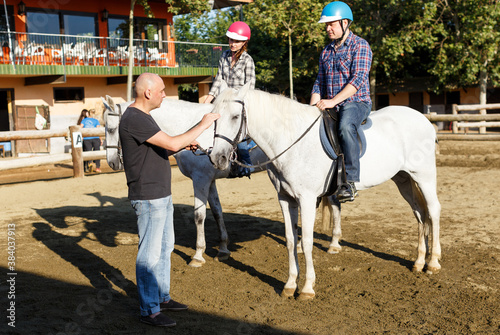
(230, 128)
(112, 116)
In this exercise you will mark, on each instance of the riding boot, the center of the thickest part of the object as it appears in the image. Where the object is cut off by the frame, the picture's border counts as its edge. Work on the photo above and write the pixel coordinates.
(347, 192)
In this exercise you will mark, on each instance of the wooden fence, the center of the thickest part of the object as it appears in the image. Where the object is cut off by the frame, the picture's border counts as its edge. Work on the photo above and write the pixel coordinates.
(78, 156)
(480, 121)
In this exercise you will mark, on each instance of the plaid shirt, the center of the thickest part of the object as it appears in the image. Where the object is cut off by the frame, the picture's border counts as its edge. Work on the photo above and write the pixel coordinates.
(242, 72)
(350, 64)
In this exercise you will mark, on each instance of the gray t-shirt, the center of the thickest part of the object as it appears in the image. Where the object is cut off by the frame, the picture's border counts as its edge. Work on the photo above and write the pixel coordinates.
(146, 166)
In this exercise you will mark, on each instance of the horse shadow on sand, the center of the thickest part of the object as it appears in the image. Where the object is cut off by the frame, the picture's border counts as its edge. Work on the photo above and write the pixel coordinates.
(66, 227)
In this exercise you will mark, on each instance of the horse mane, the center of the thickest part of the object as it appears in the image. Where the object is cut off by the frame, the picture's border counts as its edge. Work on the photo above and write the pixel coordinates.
(280, 112)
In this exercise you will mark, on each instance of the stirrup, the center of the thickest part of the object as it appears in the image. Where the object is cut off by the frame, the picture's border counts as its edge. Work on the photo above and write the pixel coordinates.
(347, 192)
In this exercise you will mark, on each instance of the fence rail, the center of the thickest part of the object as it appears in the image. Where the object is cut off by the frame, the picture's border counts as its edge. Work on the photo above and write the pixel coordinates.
(480, 121)
(77, 155)
(482, 111)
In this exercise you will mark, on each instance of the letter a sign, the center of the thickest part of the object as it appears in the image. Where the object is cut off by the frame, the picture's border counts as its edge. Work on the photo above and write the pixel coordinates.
(77, 139)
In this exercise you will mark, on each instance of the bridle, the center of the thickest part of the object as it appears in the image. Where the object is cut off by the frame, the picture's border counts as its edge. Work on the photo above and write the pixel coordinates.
(235, 141)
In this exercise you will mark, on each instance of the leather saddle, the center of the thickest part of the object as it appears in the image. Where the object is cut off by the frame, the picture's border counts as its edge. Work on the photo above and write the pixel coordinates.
(329, 129)
(331, 144)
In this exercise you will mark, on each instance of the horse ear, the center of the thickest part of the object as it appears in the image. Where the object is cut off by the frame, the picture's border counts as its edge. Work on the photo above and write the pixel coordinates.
(109, 102)
(243, 91)
(106, 105)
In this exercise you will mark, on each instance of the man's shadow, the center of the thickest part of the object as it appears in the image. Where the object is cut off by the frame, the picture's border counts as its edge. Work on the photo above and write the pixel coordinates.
(102, 223)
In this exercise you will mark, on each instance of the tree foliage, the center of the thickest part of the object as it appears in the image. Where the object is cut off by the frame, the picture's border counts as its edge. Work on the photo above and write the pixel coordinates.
(451, 43)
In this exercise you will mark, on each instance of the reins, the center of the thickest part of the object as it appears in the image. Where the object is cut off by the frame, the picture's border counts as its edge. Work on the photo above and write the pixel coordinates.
(234, 142)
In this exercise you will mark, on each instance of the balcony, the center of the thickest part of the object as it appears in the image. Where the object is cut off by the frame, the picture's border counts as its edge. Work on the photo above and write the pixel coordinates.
(47, 54)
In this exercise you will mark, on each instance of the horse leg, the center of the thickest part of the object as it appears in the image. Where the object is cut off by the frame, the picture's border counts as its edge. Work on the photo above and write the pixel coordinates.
(290, 211)
(216, 208)
(330, 218)
(429, 194)
(200, 213)
(334, 208)
(427, 211)
(308, 215)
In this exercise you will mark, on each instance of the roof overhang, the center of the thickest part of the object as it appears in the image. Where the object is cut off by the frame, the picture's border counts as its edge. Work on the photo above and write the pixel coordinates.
(218, 4)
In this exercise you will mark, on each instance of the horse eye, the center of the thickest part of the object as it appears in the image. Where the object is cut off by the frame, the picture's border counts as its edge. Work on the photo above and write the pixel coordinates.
(236, 117)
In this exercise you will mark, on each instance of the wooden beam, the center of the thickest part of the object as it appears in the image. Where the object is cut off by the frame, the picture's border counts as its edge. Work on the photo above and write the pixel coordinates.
(462, 117)
(42, 80)
(193, 80)
(118, 80)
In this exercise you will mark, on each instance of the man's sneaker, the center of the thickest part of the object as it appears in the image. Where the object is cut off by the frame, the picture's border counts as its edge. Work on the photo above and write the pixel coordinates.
(347, 192)
(172, 305)
(161, 320)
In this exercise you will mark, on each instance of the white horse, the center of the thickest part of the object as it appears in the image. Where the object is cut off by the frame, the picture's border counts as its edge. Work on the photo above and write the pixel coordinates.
(176, 117)
(400, 146)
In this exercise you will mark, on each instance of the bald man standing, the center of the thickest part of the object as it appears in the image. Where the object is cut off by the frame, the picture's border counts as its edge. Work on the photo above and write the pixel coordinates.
(147, 168)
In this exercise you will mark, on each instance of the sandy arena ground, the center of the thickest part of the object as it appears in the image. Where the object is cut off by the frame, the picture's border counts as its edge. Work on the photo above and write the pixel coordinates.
(75, 247)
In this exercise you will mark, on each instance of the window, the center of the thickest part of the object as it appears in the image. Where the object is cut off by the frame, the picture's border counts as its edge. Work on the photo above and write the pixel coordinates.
(69, 23)
(80, 25)
(117, 27)
(417, 101)
(3, 22)
(64, 94)
(41, 22)
(382, 100)
(144, 28)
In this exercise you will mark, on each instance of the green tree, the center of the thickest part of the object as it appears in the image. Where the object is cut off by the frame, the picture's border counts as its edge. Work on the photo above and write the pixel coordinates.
(399, 46)
(468, 35)
(287, 30)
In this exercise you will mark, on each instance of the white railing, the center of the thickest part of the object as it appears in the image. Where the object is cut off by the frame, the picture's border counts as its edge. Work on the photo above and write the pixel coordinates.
(52, 49)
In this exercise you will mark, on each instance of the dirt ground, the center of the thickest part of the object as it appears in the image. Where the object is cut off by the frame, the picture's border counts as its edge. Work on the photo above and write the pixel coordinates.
(75, 248)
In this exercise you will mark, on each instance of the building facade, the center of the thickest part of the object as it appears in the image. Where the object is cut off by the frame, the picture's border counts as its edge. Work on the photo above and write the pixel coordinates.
(61, 56)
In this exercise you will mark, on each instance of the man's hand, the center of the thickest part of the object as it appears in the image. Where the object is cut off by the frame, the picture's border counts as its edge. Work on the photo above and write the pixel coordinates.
(208, 119)
(325, 104)
(193, 146)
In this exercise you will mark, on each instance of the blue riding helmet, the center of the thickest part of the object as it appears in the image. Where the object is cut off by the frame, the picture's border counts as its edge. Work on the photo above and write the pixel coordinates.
(336, 11)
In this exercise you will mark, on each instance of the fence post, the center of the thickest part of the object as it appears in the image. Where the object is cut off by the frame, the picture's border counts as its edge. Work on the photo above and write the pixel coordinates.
(454, 123)
(76, 151)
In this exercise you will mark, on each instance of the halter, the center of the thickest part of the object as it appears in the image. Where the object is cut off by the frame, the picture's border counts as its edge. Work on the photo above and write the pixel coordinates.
(234, 143)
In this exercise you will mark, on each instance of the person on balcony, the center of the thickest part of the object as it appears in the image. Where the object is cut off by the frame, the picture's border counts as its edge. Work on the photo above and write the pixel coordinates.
(236, 68)
(92, 143)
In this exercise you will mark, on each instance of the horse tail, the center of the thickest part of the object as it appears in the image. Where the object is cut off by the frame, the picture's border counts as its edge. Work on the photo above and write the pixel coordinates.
(326, 215)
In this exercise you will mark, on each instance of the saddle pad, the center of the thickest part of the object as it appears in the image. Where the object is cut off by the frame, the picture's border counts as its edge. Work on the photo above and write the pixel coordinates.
(325, 143)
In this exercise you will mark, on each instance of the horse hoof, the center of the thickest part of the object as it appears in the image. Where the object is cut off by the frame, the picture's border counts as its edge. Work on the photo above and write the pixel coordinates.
(334, 250)
(196, 263)
(288, 292)
(221, 257)
(305, 296)
(432, 270)
(417, 268)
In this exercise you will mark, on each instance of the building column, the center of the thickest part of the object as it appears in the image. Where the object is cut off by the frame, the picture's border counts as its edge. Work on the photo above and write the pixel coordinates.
(203, 90)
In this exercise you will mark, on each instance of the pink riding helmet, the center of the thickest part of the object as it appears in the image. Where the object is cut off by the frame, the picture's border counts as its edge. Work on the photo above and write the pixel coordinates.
(239, 31)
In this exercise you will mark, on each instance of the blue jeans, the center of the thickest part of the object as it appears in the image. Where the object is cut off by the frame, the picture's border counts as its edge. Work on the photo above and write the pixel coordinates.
(351, 115)
(244, 153)
(155, 223)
